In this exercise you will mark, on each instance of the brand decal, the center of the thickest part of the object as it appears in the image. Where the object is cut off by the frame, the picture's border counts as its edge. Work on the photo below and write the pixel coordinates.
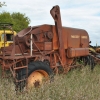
(75, 36)
(84, 37)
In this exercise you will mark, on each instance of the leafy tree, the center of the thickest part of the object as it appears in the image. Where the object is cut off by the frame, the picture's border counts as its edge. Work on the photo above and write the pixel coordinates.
(2, 4)
(19, 21)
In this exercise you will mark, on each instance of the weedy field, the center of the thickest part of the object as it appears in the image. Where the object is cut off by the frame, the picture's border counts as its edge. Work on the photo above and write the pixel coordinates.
(78, 84)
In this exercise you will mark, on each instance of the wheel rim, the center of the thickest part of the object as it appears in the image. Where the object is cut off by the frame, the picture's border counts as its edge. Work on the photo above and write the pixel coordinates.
(36, 78)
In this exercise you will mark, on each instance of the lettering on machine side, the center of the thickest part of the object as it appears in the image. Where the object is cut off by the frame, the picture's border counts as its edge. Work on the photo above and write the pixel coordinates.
(75, 36)
(84, 37)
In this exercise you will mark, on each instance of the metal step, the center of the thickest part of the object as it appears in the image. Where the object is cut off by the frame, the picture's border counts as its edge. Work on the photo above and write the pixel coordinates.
(20, 67)
(21, 80)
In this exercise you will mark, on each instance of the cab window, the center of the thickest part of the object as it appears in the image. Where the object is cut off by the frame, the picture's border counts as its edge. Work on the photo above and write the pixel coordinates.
(9, 37)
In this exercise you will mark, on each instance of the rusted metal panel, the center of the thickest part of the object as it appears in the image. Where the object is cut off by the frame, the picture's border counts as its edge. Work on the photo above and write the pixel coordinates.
(47, 45)
(84, 39)
(77, 52)
(43, 45)
(72, 37)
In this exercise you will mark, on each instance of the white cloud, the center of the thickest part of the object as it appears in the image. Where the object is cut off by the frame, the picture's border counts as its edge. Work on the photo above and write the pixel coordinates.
(83, 14)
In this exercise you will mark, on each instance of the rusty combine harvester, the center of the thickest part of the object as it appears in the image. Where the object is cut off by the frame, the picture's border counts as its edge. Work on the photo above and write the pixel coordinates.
(40, 51)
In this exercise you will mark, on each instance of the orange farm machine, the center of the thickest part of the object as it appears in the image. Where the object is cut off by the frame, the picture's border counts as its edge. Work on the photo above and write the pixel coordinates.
(40, 51)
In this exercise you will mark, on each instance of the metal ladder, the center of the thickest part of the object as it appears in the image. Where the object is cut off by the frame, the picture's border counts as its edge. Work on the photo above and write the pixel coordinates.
(16, 80)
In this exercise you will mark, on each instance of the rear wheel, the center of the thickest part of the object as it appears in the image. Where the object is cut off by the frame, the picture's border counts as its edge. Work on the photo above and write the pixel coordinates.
(37, 72)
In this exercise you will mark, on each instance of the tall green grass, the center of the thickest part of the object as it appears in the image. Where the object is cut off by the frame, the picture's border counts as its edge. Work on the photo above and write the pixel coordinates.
(78, 84)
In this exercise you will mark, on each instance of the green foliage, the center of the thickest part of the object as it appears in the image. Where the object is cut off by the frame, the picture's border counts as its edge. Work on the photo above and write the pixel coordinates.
(19, 21)
(5, 17)
(78, 84)
(2, 4)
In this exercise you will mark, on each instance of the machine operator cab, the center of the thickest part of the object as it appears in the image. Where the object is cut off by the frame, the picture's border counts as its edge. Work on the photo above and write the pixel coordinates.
(6, 34)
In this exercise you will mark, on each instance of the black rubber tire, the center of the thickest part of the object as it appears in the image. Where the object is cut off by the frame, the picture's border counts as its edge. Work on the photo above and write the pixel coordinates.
(33, 66)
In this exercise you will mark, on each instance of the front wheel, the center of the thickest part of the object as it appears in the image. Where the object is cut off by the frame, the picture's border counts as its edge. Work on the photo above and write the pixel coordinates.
(37, 72)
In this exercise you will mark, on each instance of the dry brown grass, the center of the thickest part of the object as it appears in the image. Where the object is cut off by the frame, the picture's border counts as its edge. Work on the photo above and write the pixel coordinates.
(79, 84)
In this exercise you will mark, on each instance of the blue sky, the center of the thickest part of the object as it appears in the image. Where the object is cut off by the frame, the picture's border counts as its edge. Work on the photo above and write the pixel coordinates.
(84, 14)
